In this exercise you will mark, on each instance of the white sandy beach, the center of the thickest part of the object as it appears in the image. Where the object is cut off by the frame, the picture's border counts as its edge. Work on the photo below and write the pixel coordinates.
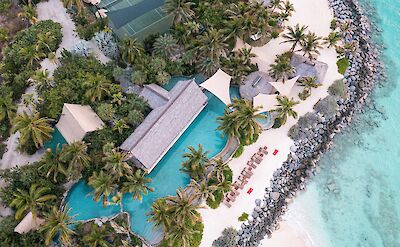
(317, 16)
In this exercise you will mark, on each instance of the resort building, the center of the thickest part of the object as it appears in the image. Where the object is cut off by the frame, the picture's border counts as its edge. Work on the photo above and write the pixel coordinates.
(76, 121)
(173, 111)
(138, 18)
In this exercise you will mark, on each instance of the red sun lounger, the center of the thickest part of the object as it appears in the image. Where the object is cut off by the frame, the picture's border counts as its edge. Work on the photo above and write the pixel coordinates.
(249, 191)
(275, 152)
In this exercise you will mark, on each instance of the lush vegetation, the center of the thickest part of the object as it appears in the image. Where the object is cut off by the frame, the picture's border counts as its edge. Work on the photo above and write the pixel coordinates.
(19, 61)
(243, 217)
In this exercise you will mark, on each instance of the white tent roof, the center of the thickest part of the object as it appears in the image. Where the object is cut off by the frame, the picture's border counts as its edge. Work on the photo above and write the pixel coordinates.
(266, 101)
(219, 85)
(28, 223)
(76, 121)
(285, 88)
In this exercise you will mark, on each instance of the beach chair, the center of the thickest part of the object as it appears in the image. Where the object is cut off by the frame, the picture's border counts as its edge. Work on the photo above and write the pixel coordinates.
(230, 197)
(248, 170)
(255, 159)
(246, 174)
(263, 150)
(227, 204)
(251, 164)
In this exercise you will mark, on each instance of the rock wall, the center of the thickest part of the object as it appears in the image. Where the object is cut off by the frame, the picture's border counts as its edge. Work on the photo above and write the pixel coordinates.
(365, 69)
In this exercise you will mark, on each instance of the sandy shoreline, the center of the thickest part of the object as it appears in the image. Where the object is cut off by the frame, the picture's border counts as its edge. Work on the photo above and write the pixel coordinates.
(317, 15)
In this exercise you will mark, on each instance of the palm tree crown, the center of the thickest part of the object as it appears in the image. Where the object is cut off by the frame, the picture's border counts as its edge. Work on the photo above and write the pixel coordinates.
(183, 207)
(58, 223)
(294, 35)
(241, 121)
(285, 108)
(180, 10)
(137, 185)
(281, 68)
(31, 200)
(311, 45)
(33, 128)
(103, 185)
(194, 164)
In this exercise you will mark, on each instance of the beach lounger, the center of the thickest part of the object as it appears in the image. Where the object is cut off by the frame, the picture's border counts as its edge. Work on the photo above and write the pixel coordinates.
(227, 204)
(238, 185)
(263, 150)
(248, 171)
(246, 174)
(235, 191)
(255, 159)
(231, 198)
(251, 164)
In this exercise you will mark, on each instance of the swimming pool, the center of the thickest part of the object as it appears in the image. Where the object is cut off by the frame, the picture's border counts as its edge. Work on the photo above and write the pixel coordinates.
(56, 139)
(166, 177)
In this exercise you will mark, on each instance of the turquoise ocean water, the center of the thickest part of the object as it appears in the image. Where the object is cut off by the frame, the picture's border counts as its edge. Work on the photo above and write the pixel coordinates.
(355, 200)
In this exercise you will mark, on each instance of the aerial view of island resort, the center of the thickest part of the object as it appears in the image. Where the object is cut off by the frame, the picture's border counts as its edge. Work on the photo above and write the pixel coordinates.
(211, 123)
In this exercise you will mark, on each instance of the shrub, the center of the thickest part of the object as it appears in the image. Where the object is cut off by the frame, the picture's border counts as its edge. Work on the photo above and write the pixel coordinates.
(218, 196)
(229, 238)
(135, 117)
(4, 5)
(86, 28)
(308, 121)
(105, 111)
(107, 44)
(4, 34)
(243, 217)
(342, 64)
(195, 241)
(81, 49)
(239, 151)
(338, 89)
(327, 107)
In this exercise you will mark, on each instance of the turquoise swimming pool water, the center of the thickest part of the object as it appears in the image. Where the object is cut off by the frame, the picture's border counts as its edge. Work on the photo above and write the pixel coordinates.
(56, 139)
(166, 177)
(364, 166)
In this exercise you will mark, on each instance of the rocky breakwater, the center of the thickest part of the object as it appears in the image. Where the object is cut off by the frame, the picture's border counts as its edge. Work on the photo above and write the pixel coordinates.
(302, 163)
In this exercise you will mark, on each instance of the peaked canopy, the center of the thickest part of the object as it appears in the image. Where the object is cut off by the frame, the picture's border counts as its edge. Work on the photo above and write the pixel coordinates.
(76, 121)
(266, 101)
(219, 85)
(28, 223)
(286, 87)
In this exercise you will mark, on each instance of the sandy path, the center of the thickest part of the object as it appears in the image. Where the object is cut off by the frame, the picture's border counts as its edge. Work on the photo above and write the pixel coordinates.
(317, 16)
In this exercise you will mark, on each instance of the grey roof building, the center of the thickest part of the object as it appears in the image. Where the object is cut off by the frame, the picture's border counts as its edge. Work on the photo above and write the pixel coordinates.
(172, 113)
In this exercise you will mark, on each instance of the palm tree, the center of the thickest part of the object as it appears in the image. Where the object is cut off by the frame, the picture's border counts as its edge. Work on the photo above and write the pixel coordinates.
(181, 10)
(97, 87)
(43, 40)
(30, 54)
(29, 13)
(32, 200)
(32, 128)
(96, 237)
(275, 4)
(183, 207)
(310, 45)
(58, 223)
(211, 46)
(115, 163)
(131, 50)
(159, 214)
(7, 106)
(241, 121)
(202, 189)
(219, 169)
(294, 35)
(281, 68)
(285, 108)
(287, 8)
(180, 235)
(165, 46)
(52, 163)
(195, 160)
(332, 39)
(41, 79)
(75, 154)
(77, 3)
(307, 83)
(120, 125)
(103, 185)
(137, 185)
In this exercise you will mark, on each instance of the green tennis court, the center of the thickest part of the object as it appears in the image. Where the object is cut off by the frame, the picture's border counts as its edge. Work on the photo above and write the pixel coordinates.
(137, 18)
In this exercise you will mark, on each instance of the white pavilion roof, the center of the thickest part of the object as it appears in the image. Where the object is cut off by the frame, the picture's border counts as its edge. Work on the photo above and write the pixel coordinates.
(286, 87)
(28, 223)
(219, 85)
(266, 101)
